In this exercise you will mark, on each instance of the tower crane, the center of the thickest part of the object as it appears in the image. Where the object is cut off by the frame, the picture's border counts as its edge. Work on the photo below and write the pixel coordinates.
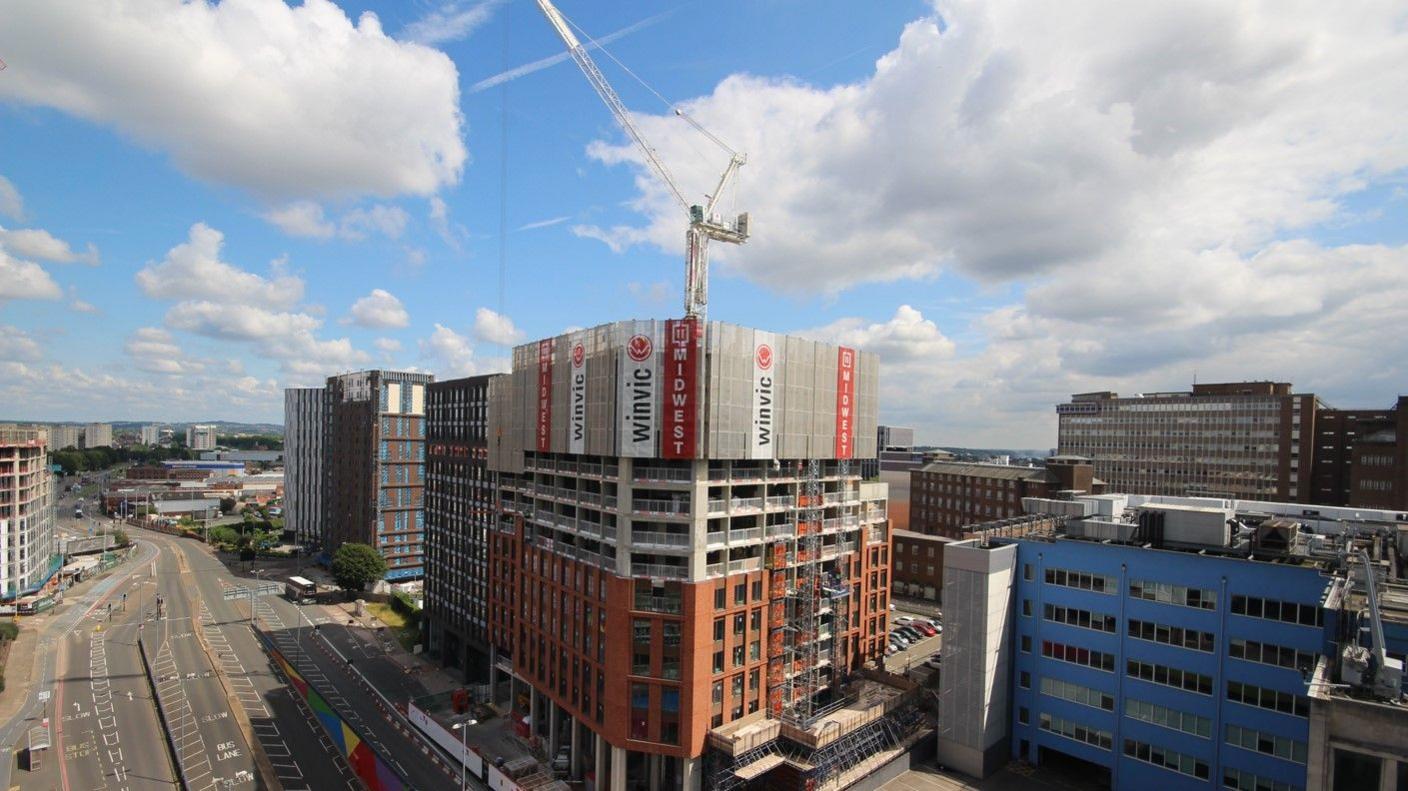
(704, 223)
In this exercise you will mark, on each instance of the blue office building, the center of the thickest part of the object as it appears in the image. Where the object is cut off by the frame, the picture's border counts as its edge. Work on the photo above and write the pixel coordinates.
(1168, 668)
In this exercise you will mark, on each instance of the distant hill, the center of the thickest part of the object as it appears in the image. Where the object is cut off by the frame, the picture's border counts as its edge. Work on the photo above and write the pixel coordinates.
(1025, 453)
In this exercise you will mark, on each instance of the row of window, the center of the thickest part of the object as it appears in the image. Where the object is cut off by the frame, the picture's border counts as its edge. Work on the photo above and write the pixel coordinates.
(1266, 743)
(1166, 593)
(1099, 583)
(1270, 699)
(1268, 654)
(1072, 616)
(1076, 693)
(1276, 610)
(1074, 730)
(1077, 655)
(1239, 780)
(1166, 758)
(1172, 635)
(1169, 676)
(1166, 717)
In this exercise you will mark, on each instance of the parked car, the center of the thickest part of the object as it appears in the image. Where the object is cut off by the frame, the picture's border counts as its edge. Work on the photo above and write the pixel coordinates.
(904, 620)
(924, 627)
(912, 633)
(899, 637)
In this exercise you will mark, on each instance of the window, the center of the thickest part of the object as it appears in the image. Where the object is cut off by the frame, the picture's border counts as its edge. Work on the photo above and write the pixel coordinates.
(1168, 759)
(1024, 717)
(1284, 702)
(1268, 654)
(757, 590)
(1075, 693)
(1276, 610)
(753, 680)
(1239, 780)
(1085, 619)
(740, 622)
(755, 619)
(718, 692)
(1171, 635)
(1266, 743)
(719, 602)
(1074, 730)
(1026, 608)
(755, 650)
(1027, 572)
(640, 711)
(740, 593)
(718, 629)
(738, 656)
(1168, 718)
(1078, 655)
(1180, 595)
(718, 661)
(1170, 676)
(1082, 581)
(1026, 644)
(1024, 680)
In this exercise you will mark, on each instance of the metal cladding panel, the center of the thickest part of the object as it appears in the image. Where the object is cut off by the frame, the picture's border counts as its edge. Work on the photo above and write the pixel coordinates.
(729, 391)
(798, 363)
(505, 452)
(822, 442)
(602, 362)
(867, 405)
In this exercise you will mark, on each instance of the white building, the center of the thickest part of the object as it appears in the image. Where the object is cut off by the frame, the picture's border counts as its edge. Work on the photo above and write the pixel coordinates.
(97, 435)
(305, 410)
(200, 437)
(26, 511)
(151, 435)
(65, 436)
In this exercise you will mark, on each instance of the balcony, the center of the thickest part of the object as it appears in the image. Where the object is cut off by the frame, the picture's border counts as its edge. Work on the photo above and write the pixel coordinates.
(746, 564)
(780, 501)
(666, 507)
(745, 534)
(659, 570)
(659, 539)
(676, 474)
(716, 569)
(781, 531)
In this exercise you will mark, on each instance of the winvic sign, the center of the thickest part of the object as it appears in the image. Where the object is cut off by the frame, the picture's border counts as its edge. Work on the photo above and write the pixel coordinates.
(684, 389)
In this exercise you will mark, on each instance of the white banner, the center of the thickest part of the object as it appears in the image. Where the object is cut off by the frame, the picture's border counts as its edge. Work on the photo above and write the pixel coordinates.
(637, 399)
(577, 405)
(763, 444)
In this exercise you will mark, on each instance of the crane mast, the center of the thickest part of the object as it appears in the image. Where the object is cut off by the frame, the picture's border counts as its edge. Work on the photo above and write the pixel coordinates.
(704, 224)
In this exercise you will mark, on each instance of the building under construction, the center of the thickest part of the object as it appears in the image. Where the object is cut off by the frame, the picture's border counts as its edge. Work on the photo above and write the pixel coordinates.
(687, 574)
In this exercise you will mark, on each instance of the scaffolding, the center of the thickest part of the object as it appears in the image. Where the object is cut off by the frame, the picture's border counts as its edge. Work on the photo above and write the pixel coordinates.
(802, 624)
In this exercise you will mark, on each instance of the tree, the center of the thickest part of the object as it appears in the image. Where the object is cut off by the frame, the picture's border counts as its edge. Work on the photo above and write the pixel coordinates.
(227, 504)
(354, 566)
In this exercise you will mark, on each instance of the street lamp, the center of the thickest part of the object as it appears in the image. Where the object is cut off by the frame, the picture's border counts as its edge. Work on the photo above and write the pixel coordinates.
(463, 728)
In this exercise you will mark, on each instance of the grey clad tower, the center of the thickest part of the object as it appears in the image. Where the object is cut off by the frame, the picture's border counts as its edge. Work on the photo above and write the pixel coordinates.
(305, 412)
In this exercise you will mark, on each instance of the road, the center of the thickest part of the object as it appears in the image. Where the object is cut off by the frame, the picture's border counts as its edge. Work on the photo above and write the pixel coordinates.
(299, 752)
(314, 655)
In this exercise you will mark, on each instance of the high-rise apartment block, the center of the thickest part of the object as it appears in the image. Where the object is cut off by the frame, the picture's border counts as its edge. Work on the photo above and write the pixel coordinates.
(680, 548)
(27, 494)
(201, 437)
(63, 436)
(374, 466)
(1249, 440)
(305, 411)
(151, 436)
(461, 507)
(97, 435)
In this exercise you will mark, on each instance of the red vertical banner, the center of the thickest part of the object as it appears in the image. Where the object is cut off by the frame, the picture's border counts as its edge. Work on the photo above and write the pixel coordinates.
(845, 402)
(544, 395)
(681, 389)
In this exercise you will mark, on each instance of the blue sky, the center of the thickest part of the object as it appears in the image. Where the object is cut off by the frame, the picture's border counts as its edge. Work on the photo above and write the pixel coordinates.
(1007, 205)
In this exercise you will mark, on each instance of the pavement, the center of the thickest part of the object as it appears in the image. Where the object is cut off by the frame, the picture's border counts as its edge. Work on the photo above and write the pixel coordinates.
(1016, 776)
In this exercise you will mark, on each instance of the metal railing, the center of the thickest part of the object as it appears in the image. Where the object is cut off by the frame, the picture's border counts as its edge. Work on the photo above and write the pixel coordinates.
(660, 474)
(659, 570)
(658, 538)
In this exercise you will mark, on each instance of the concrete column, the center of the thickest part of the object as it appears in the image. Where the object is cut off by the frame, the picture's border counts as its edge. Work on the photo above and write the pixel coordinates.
(618, 769)
(493, 676)
(552, 728)
(599, 761)
(573, 767)
(654, 772)
(623, 519)
(1388, 778)
(692, 778)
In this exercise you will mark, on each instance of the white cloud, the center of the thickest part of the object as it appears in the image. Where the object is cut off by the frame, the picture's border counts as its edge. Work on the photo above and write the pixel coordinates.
(552, 60)
(18, 346)
(450, 22)
(387, 345)
(378, 309)
(1143, 184)
(302, 218)
(39, 243)
(235, 321)
(907, 337)
(548, 223)
(453, 351)
(11, 204)
(193, 270)
(493, 327)
(25, 280)
(152, 349)
(285, 101)
(652, 295)
(82, 306)
(389, 221)
(454, 234)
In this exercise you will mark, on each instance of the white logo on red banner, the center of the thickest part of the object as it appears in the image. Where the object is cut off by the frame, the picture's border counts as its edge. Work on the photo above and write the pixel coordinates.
(681, 389)
(544, 430)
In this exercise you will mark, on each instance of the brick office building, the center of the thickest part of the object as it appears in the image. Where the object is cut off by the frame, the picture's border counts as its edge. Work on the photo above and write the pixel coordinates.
(1361, 457)
(684, 543)
(946, 498)
(1249, 440)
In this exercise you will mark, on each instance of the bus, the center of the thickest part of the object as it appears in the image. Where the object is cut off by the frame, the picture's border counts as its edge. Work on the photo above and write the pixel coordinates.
(298, 589)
